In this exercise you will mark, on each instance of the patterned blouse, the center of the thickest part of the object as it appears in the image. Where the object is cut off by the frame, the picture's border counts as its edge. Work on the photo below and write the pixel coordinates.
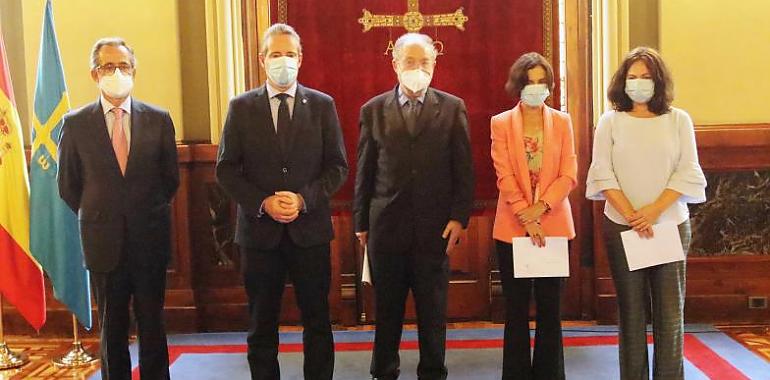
(533, 146)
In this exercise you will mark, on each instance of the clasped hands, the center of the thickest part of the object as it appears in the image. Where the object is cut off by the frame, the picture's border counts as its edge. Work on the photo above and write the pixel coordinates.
(284, 206)
(641, 220)
(530, 219)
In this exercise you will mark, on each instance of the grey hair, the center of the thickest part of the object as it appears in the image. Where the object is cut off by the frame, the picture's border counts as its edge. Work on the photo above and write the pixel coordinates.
(280, 29)
(109, 41)
(414, 39)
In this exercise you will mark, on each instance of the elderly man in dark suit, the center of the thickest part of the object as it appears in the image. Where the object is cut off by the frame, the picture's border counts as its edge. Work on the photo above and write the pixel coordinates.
(281, 158)
(413, 196)
(118, 171)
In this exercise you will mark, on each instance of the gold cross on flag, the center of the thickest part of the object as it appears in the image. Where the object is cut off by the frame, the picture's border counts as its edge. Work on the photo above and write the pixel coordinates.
(413, 20)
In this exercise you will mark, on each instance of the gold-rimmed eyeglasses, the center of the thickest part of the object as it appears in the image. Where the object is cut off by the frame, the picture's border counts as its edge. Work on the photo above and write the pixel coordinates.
(109, 68)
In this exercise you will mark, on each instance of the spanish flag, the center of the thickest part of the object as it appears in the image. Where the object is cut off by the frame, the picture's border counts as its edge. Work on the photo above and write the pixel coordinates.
(21, 278)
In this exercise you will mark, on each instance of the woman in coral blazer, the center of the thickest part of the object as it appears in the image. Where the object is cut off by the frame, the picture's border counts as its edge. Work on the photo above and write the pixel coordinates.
(536, 166)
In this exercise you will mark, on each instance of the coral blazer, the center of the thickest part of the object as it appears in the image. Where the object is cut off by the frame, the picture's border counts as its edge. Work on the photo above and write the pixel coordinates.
(558, 175)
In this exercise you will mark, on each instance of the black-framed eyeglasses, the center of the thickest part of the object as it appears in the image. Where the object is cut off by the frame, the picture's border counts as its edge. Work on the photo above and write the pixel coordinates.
(109, 68)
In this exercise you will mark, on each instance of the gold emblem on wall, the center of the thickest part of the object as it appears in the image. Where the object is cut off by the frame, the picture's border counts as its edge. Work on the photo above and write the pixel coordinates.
(413, 21)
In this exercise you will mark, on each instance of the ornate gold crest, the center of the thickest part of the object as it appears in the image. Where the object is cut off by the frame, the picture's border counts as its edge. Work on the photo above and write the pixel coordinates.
(413, 20)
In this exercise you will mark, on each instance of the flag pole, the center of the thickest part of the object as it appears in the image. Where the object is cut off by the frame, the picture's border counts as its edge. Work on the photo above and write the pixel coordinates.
(77, 356)
(8, 358)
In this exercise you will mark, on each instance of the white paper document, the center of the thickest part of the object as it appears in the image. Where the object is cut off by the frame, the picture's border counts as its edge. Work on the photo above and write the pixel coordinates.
(366, 275)
(530, 260)
(665, 246)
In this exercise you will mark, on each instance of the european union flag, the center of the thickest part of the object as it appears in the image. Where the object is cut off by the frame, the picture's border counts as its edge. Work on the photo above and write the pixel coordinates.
(54, 232)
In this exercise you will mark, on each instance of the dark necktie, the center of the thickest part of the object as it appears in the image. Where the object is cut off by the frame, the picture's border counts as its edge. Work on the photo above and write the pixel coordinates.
(284, 121)
(411, 112)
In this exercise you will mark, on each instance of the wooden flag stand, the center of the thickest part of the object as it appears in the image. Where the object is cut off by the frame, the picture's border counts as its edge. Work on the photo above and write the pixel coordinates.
(8, 358)
(77, 356)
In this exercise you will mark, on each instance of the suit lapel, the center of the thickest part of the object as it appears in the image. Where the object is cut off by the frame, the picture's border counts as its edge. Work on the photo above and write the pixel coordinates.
(138, 131)
(102, 135)
(300, 117)
(517, 129)
(264, 117)
(394, 119)
(549, 145)
(429, 112)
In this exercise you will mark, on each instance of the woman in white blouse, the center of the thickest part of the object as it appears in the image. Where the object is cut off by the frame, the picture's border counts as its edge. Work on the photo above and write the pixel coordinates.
(645, 164)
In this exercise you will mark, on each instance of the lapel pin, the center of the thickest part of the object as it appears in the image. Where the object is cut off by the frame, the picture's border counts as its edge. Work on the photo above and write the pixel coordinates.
(304, 101)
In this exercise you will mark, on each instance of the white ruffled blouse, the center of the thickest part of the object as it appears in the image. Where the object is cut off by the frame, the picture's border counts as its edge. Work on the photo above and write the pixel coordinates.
(644, 156)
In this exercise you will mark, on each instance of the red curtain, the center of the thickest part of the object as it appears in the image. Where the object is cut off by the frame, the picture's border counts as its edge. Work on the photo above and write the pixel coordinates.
(350, 65)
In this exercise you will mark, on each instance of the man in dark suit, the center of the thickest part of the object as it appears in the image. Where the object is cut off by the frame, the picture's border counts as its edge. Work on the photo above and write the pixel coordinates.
(281, 158)
(413, 196)
(118, 171)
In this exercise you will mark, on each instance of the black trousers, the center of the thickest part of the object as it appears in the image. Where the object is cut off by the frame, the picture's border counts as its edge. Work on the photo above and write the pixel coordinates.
(548, 359)
(144, 287)
(265, 278)
(426, 274)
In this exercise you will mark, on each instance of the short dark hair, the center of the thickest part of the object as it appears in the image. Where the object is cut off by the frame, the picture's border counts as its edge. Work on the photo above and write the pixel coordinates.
(517, 75)
(664, 85)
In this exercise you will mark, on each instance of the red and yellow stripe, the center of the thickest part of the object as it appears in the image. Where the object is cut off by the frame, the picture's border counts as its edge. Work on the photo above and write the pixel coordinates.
(21, 277)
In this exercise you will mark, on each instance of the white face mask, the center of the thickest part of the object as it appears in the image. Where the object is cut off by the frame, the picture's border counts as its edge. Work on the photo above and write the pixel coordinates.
(282, 70)
(640, 90)
(534, 95)
(415, 80)
(117, 84)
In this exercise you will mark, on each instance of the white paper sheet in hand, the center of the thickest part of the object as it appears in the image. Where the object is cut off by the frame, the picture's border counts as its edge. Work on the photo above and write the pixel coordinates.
(665, 246)
(530, 260)
(366, 275)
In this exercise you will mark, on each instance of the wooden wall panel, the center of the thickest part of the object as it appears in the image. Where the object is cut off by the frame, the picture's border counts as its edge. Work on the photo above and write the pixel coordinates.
(733, 147)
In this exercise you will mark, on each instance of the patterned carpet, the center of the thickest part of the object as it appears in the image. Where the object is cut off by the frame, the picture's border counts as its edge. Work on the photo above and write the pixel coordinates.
(754, 338)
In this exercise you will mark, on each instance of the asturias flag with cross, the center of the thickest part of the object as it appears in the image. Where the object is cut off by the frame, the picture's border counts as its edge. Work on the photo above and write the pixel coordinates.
(54, 233)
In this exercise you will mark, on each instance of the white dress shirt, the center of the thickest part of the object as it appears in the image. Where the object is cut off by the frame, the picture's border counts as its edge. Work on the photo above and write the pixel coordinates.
(644, 156)
(109, 117)
(403, 98)
(275, 102)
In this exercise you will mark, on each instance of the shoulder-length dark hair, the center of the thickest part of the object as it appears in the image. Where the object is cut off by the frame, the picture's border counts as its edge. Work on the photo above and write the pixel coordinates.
(517, 75)
(664, 86)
